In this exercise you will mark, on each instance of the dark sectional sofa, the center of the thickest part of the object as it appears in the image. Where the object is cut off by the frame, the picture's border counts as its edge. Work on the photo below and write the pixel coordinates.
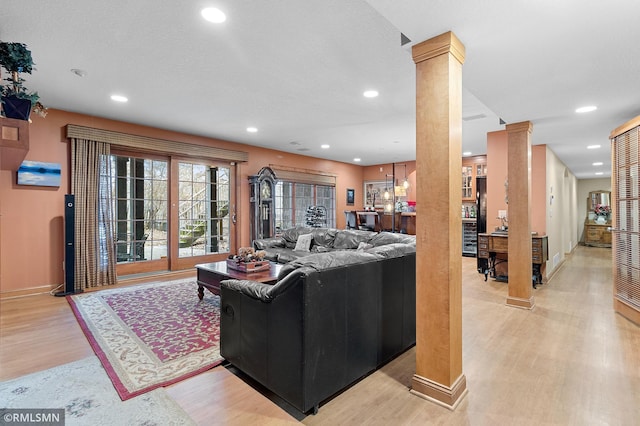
(281, 249)
(336, 313)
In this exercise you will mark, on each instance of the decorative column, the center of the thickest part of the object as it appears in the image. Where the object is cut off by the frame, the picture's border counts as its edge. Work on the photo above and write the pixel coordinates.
(519, 215)
(439, 376)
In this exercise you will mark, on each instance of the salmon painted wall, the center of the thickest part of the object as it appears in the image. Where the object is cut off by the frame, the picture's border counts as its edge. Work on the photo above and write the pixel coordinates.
(496, 176)
(497, 154)
(31, 218)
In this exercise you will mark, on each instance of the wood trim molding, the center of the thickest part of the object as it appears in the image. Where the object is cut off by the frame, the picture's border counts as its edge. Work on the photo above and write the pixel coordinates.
(444, 43)
(517, 302)
(626, 310)
(635, 122)
(292, 174)
(523, 126)
(33, 291)
(154, 145)
(448, 397)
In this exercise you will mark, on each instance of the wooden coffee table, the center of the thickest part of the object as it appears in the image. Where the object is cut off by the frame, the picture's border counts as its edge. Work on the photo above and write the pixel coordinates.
(210, 275)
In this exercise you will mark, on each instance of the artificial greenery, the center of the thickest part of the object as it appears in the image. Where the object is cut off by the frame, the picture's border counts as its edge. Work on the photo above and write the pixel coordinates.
(16, 59)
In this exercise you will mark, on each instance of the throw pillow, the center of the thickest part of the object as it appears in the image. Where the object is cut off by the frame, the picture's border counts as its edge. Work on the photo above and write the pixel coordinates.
(364, 246)
(304, 242)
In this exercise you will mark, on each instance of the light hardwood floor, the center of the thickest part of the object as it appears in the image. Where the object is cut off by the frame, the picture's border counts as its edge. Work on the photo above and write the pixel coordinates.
(569, 361)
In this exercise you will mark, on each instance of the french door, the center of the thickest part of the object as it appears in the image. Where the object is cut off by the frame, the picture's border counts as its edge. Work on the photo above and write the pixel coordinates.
(626, 231)
(169, 213)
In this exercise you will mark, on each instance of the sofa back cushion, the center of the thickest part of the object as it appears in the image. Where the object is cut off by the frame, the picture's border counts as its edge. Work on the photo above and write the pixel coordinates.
(384, 238)
(266, 243)
(333, 259)
(392, 250)
(324, 237)
(320, 261)
(291, 235)
(351, 239)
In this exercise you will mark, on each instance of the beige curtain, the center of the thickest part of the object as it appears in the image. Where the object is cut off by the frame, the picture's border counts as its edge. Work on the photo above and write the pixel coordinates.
(95, 236)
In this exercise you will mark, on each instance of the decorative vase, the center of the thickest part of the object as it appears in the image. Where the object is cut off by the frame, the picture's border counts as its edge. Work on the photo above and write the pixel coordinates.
(15, 107)
(601, 220)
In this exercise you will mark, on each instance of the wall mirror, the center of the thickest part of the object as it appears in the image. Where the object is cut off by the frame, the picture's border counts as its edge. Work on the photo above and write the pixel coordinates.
(599, 205)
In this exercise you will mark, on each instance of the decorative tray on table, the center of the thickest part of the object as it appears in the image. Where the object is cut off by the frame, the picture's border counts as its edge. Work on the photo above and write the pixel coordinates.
(252, 266)
(248, 260)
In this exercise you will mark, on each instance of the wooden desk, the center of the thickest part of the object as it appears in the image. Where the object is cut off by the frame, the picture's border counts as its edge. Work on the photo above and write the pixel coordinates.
(368, 220)
(491, 245)
(408, 222)
(351, 219)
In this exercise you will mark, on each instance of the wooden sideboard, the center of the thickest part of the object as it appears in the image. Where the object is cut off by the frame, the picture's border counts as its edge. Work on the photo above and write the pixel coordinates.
(596, 235)
(495, 248)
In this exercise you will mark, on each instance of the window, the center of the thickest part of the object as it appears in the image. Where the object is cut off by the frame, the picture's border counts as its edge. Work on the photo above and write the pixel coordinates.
(203, 197)
(140, 194)
(292, 200)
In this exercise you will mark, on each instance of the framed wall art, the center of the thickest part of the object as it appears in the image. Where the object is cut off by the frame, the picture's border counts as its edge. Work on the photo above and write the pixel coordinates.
(374, 193)
(351, 196)
(39, 173)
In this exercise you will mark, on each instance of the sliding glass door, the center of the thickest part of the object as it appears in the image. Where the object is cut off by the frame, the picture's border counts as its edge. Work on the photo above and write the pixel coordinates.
(203, 212)
(154, 233)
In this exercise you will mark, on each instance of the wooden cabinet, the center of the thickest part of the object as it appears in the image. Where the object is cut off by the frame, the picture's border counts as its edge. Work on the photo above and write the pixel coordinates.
(408, 223)
(472, 167)
(598, 221)
(539, 250)
(597, 235)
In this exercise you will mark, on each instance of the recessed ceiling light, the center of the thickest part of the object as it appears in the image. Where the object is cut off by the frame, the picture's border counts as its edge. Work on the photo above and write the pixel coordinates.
(214, 15)
(586, 109)
(325, 146)
(599, 173)
(466, 153)
(119, 98)
(593, 147)
(598, 163)
(79, 72)
(252, 129)
(357, 160)
(370, 94)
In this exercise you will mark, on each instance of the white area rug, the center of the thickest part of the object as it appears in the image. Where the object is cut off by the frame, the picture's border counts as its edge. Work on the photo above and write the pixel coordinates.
(83, 389)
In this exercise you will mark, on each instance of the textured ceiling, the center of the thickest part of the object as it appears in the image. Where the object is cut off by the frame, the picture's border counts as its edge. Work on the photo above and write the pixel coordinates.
(296, 70)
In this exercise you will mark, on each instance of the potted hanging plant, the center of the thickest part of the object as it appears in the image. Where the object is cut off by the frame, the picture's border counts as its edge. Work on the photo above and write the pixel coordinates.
(17, 101)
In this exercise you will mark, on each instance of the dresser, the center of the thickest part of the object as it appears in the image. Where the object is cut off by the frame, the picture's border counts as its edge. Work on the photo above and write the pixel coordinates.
(596, 232)
(596, 235)
(495, 248)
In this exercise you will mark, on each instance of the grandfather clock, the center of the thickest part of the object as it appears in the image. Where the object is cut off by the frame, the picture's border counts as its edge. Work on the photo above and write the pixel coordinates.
(261, 204)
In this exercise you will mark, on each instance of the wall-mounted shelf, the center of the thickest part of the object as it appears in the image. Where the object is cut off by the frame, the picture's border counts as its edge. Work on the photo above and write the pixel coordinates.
(14, 142)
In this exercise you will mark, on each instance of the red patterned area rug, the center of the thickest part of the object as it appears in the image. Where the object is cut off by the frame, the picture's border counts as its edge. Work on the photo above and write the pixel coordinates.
(151, 335)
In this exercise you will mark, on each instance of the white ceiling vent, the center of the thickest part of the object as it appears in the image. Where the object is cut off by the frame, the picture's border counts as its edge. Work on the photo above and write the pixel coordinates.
(474, 117)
